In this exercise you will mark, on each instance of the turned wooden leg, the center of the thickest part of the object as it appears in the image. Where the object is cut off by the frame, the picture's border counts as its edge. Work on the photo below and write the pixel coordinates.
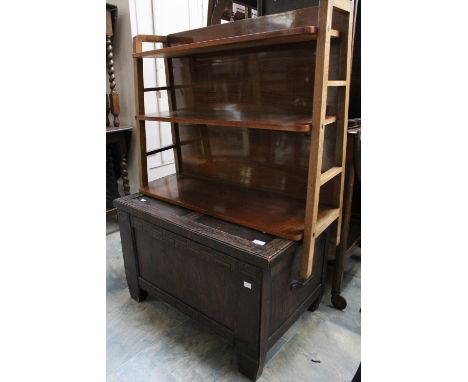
(251, 368)
(107, 110)
(113, 97)
(126, 183)
(112, 191)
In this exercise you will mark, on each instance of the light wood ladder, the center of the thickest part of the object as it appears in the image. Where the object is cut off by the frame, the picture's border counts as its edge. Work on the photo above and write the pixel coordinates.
(339, 14)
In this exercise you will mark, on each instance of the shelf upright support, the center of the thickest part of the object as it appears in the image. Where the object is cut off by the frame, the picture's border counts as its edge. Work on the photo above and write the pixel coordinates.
(172, 102)
(345, 57)
(344, 15)
(140, 101)
(140, 109)
(316, 143)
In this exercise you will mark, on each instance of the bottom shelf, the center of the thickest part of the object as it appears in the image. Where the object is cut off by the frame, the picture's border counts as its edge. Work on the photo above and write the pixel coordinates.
(267, 212)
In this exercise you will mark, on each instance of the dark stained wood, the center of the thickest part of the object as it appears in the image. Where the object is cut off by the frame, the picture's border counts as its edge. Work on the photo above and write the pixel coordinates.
(264, 211)
(293, 19)
(351, 228)
(252, 87)
(255, 40)
(178, 256)
(117, 144)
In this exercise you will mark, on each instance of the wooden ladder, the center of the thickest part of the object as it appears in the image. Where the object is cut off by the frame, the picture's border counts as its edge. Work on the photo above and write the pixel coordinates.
(339, 14)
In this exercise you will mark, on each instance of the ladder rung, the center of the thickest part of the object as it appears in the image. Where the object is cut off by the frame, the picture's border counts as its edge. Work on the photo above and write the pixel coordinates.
(325, 217)
(329, 119)
(156, 89)
(164, 148)
(344, 5)
(336, 83)
(334, 33)
(330, 174)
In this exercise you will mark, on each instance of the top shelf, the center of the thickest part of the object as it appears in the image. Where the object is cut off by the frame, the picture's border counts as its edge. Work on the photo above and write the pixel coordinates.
(282, 36)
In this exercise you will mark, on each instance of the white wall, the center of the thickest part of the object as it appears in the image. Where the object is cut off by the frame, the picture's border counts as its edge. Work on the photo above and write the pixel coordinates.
(159, 17)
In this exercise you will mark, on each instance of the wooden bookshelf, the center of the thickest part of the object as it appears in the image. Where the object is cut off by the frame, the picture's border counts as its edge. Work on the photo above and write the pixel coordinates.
(258, 117)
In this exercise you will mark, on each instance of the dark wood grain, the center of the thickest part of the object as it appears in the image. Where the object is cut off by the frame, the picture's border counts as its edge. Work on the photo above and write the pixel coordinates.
(197, 268)
(294, 19)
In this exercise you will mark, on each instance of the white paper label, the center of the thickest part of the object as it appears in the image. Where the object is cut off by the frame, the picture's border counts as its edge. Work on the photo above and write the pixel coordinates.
(247, 285)
(259, 242)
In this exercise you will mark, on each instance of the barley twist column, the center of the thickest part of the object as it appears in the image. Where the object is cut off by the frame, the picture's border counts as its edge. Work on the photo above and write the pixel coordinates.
(113, 96)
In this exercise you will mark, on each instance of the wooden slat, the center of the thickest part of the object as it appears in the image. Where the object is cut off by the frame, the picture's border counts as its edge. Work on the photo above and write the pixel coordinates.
(330, 174)
(271, 121)
(325, 217)
(156, 89)
(336, 83)
(329, 119)
(253, 40)
(164, 148)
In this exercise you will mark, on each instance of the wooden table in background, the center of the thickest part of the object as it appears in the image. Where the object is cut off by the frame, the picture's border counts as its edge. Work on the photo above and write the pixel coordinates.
(351, 221)
(117, 144)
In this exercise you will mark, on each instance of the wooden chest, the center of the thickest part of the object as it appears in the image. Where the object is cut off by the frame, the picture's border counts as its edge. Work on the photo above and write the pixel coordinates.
(239, 282)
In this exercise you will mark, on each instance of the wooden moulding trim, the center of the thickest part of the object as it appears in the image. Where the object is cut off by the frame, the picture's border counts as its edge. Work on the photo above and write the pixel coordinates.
(330, 174)
(282, 36)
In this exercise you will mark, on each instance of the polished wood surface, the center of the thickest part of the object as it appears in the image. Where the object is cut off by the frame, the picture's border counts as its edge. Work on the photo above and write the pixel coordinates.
(287, 20)
(267, 212)
(225, 117)
(258, 159)
(254, 40)
(264, 211)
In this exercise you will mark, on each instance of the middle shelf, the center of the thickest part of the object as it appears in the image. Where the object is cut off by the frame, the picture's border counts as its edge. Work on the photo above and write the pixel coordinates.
(268, 212)
(279, 121)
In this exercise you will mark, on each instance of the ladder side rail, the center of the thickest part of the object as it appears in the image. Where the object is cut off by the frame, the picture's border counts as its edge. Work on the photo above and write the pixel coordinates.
(316, 148)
